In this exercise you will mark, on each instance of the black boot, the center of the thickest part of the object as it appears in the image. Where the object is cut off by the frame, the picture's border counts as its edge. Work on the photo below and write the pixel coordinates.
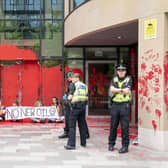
(124, 149)
(68, 147)
(64, 135)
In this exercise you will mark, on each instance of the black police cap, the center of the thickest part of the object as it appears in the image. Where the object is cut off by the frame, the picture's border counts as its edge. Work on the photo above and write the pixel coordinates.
(121, 67)
(68, 74)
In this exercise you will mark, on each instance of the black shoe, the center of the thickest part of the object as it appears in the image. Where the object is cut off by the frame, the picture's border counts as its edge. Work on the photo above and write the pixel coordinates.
(124, 149)
(83, 145)
(64, 135)
(111, 148)
(68, 147)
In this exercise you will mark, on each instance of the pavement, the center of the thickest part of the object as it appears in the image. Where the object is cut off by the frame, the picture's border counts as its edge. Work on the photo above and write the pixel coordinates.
(31, 145)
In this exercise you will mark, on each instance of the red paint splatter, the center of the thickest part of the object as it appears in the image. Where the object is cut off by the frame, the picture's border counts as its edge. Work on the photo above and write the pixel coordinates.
(10, 52)
(158, 113)
(148, 51)
(148, 109)
(150, 75)
(139, 121)
(156, 89)
(143, 66)
(154, 125)
(166, 82)
(143, 86)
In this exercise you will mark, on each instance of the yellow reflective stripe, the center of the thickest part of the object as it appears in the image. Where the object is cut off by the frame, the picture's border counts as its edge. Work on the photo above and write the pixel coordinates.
(80, 93)
(121, 98)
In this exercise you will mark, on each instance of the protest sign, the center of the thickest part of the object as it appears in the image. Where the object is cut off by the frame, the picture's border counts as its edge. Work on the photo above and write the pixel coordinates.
(21, 112)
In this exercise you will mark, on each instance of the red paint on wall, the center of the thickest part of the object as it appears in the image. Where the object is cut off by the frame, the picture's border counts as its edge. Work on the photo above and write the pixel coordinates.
(143, 66)
(158, 114)
(166, 82)
(150, 75)
(148, 109)
(154, 125)
(139, 121)
(143, 82)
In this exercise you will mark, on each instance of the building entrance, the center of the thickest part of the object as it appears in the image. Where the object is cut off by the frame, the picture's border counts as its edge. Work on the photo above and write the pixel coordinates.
(98, 77)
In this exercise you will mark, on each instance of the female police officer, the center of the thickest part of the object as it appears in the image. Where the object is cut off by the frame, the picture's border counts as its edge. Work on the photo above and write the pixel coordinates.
(78, 101)
(120, 89)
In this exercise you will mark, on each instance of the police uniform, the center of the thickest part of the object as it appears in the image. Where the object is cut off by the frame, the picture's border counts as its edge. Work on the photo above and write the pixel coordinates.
(120, 111)
(78, 102)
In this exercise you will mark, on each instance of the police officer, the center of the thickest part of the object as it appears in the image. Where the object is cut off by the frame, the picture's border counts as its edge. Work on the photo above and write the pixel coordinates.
(120, 90)
(67, 108)
(78, 102)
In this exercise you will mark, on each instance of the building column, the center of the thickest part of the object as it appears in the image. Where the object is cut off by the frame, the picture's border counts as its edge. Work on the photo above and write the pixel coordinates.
(153, 82)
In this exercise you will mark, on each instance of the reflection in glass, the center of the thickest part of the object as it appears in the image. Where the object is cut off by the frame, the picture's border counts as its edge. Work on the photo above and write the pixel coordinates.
(73, 52)
(76, 66)
(20, 29)
(52, 41)
(78, 2)
(22, 9)
(105, 52)
(124, 55)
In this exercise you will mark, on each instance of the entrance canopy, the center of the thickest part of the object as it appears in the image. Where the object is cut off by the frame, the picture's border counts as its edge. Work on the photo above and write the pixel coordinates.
(123, 34)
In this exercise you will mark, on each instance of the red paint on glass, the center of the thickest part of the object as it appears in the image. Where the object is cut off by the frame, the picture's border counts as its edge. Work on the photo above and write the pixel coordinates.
(10, 52)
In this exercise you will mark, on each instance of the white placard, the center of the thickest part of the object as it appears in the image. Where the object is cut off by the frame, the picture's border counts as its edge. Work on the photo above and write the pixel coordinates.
(21, 112)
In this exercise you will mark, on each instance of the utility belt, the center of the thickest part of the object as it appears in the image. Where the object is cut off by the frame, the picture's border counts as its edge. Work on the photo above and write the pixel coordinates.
(121, 103)
(79, 104)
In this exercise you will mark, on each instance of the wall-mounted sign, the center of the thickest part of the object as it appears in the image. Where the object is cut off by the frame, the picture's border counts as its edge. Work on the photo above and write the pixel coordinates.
(150, 29)
(98, 53)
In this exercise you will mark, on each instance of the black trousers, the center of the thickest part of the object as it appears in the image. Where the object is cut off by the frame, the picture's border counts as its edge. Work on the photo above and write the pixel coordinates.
(120, 113)
(67, 114)
(78, 114)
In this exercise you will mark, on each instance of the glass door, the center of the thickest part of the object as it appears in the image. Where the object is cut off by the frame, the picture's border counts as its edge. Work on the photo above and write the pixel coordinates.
(98, 78)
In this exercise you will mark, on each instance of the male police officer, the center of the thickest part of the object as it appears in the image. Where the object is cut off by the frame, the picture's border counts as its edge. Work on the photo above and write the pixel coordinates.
(120, 89)
(67, 108)
(78, 101)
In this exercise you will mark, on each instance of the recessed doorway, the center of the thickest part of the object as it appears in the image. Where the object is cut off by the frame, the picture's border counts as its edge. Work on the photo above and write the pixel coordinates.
(98, 78)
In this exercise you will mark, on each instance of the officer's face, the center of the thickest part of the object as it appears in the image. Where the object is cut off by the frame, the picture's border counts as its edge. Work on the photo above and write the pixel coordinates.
(121, 73)
(54, 100)
(74, 79)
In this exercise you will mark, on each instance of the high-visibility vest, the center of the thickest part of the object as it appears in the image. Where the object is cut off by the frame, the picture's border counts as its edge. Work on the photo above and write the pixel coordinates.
(81, 92)
(119, 97)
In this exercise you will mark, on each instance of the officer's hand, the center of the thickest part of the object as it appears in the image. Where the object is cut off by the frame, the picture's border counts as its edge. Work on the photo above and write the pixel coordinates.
(126, 90)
